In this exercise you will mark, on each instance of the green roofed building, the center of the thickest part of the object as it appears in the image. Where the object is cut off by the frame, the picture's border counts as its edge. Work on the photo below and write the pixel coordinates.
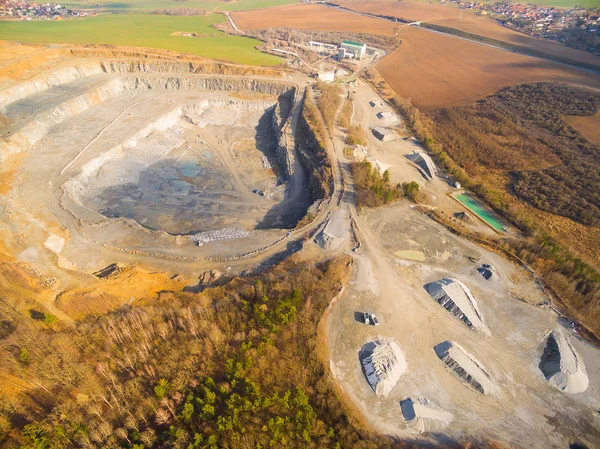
(356, 49)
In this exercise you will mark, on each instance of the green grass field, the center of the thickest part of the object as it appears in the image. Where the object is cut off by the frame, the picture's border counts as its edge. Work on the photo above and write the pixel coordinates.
(143, 30)
(151, 5)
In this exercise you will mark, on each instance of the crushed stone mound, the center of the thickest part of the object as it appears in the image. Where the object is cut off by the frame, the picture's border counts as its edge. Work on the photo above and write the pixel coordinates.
(456, 298)
(424, 416)
(334, 232)
(383, 363)
(466, 367)
(562, 365)
(425, 163)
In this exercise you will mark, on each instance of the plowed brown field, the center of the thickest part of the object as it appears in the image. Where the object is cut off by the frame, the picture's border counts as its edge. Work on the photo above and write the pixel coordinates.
(588, 126)
(312, 17)
(436, 70)
(448, 16)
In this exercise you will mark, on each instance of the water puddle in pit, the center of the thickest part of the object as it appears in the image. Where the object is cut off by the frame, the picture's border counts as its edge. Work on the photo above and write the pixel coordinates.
(187, 192)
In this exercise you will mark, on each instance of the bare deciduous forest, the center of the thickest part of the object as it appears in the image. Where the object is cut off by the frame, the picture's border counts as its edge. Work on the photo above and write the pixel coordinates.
(522, 130)
(234, 366)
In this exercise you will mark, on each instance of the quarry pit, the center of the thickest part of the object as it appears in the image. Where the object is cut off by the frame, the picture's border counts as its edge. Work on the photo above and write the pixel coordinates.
(114, 165)
(135, 158)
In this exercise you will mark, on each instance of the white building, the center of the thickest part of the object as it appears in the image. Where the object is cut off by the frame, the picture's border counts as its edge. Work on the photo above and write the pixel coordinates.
(356, 49)
(326, 77)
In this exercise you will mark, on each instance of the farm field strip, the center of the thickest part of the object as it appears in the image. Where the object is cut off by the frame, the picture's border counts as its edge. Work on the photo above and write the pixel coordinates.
(313, 17)
(589, 126)
(151, 5)
(435, 70)
(144, 30)
(468, 22)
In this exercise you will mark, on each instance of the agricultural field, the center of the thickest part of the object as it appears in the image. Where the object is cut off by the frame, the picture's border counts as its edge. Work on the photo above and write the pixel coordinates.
(469, 22)
(151, 5)
(435, 70)
(313, 17)
(144, 30)
(243, 5)
(589, 126)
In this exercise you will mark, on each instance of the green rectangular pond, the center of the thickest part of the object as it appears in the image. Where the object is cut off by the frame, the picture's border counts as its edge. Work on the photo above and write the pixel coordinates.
(480, 211)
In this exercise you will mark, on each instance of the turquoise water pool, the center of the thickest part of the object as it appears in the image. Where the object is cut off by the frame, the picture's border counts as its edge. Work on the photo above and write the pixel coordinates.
(480, 211)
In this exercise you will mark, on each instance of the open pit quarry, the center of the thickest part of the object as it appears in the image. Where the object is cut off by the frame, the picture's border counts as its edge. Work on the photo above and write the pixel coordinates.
(123, 177)
(122, 160)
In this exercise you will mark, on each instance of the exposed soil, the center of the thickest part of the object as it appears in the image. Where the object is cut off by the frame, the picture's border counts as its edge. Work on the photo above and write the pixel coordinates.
(436, 70)
(467, 21)
(312, 17)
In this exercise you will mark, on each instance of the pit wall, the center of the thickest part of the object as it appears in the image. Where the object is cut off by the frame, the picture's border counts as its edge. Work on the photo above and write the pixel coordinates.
(313, 154)
(67, 75)
(91, 179)
(35, 130)
(285, 146)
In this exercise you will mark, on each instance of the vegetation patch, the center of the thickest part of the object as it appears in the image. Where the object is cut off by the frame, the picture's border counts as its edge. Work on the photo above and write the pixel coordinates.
(523, 130)
(346, 113)
(373, 189)
(355, 135)
(329, 102)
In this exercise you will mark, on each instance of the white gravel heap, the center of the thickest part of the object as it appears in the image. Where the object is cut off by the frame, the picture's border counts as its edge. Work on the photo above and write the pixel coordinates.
(455, 297)
(424, 416)
(562, 365)
(466, 367)
(383, 363)
(220, 234)
(334, 232)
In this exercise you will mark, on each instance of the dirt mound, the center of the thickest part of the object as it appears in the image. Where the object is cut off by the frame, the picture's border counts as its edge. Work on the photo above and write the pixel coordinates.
(334, 232)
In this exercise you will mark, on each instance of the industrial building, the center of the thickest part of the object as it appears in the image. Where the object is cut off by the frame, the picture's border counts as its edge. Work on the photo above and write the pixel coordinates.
(356, 49)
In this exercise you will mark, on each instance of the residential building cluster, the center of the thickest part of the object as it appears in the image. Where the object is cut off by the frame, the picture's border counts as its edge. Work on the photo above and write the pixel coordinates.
(576, 27)
(19, 9)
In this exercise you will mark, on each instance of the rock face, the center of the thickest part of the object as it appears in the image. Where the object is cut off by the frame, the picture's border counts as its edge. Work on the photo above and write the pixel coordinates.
(33, 131)
(285, 145)
(456, 298)
(466, 367)
(562, 366)
(382, 363)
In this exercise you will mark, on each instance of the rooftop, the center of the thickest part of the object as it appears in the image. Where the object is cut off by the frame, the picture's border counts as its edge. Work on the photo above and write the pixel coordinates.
(352, 43)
